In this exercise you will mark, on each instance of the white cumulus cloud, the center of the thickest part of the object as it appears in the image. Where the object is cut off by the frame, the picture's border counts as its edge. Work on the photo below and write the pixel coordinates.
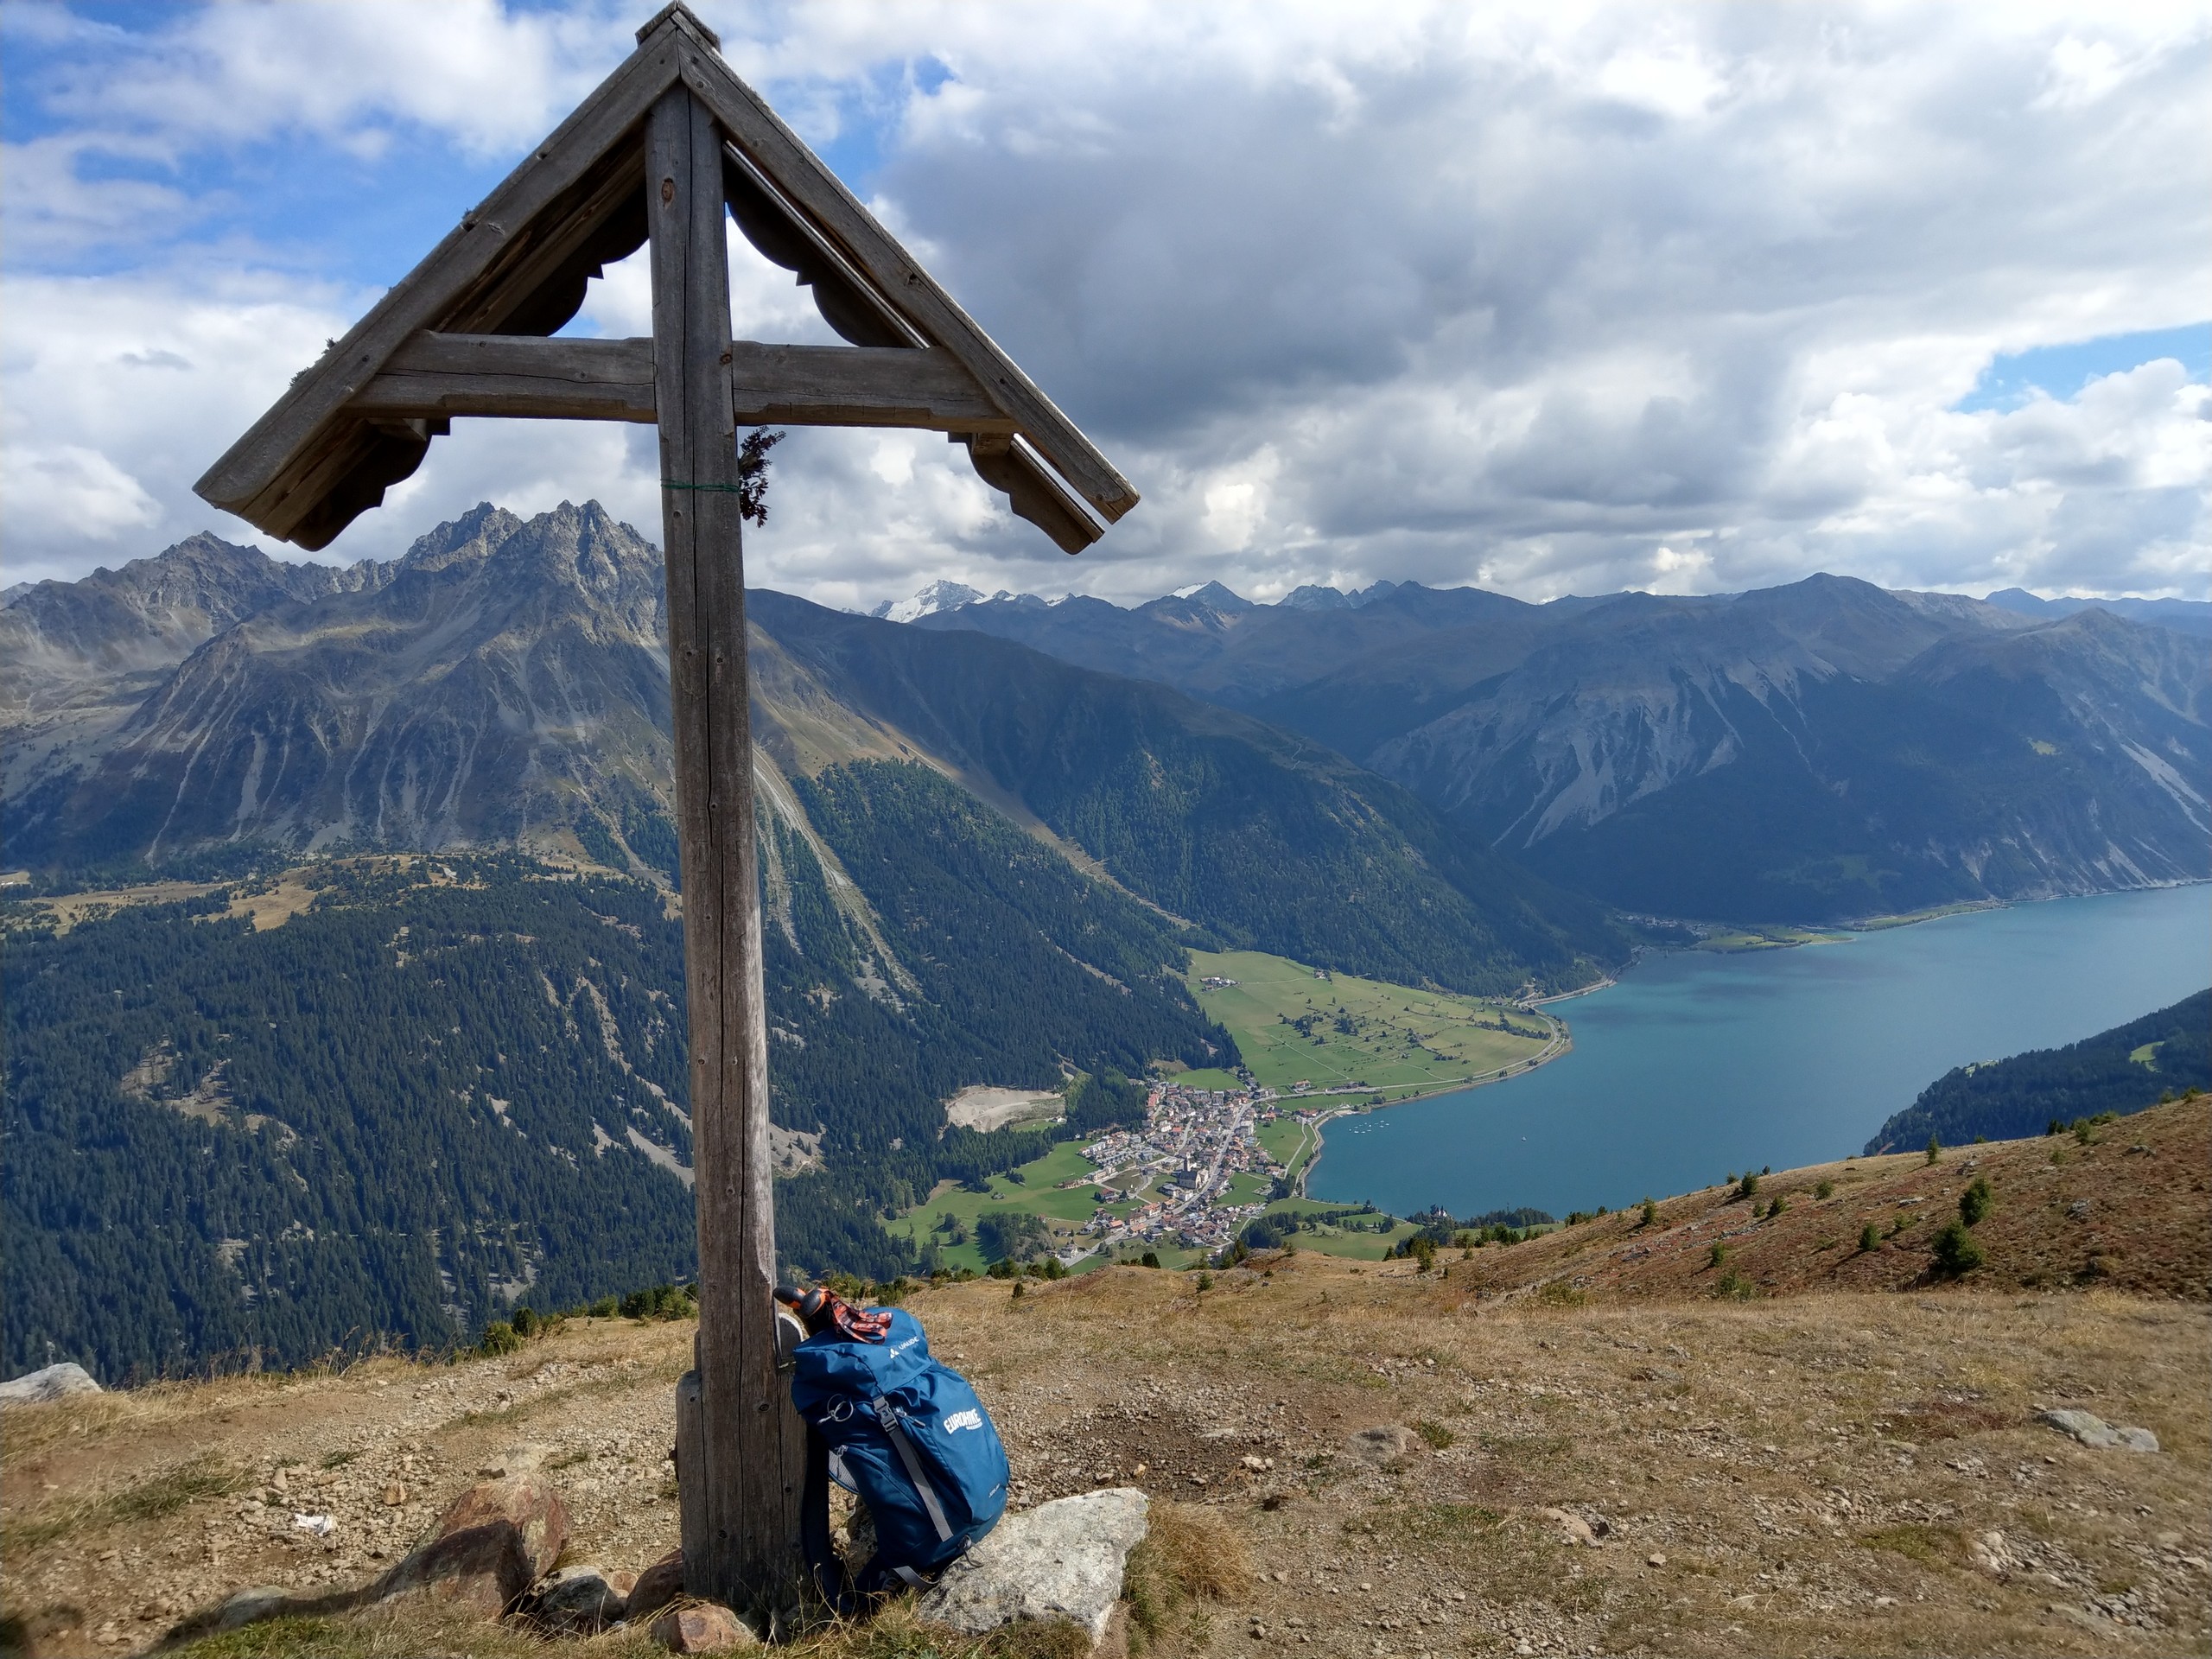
(1554, 298)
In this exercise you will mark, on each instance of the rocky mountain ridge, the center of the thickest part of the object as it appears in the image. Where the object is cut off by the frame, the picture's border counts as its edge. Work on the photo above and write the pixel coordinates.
(1818, 752)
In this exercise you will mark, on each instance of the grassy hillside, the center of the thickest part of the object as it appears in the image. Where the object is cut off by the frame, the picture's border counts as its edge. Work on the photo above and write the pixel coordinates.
(1831, 1470)
(1295, 1025)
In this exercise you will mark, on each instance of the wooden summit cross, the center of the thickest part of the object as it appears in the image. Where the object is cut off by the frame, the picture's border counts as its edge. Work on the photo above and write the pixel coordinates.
(668, 142)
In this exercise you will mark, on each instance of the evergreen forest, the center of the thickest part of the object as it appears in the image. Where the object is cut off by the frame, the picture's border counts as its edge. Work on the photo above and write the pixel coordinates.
(453, 1084)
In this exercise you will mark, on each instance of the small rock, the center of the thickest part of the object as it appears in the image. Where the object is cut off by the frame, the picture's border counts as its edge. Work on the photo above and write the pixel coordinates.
(394, 1496)
(515, 1460)
(657, 1586)
(576, 1601)
(1574, 1529)
(49, 1383)
(2078, 1211)
(1060, 1560)
(1654, 1559)
(703, 1627)
(2085, 1427)
(1382, 1445)
(1992, 1554)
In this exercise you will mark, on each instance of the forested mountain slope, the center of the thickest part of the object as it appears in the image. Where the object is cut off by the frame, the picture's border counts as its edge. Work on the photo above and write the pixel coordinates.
(1816, 752)
(2124, 1069)
(454, 1083)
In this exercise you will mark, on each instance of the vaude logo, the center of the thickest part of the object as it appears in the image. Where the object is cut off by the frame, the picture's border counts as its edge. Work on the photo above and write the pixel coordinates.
(971, 1419)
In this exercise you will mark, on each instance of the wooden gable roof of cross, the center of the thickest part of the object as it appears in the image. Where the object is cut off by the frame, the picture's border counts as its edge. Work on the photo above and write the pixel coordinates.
(466, 332)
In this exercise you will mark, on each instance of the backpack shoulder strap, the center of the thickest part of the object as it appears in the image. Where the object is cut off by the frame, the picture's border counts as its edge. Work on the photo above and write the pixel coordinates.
(889, 1416)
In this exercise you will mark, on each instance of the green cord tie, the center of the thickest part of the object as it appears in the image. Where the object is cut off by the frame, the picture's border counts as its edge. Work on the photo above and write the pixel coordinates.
(717, 489)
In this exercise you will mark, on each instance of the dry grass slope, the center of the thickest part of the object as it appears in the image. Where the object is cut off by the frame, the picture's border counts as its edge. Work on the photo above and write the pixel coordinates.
(1830, 1467)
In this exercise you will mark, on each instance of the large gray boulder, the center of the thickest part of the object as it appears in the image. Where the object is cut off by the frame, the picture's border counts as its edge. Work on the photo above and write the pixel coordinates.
(1060, 1560)
(36, 1388)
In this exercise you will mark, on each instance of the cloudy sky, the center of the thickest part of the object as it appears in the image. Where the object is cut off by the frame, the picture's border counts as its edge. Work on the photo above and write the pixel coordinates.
(1550, 298)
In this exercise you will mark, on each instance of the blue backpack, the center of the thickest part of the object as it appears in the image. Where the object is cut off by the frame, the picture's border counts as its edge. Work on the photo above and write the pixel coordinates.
(907, 1435)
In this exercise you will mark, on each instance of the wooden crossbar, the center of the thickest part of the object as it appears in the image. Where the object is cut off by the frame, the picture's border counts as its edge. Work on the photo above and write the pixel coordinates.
(436, 374)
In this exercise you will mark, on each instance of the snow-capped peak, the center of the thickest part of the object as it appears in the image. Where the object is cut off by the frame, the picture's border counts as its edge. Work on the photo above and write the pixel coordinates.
(937, 596)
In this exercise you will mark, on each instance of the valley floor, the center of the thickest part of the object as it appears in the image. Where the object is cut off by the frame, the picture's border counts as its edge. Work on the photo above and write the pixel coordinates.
(1845, 1470)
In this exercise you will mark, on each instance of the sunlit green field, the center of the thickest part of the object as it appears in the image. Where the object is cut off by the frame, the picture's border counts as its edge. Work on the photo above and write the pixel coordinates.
(1039, 1191)
(1351, 1238)
(1293, 1027)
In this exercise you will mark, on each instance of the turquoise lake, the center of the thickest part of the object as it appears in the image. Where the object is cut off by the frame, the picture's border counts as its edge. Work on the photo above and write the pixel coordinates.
(1698, 1063)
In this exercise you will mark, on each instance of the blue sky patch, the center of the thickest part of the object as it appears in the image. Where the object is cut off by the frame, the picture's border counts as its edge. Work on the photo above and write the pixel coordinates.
(2061, 371)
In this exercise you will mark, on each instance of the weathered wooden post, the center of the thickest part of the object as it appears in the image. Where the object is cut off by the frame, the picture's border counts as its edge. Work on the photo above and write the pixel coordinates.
(668, 142)
(738, 1467)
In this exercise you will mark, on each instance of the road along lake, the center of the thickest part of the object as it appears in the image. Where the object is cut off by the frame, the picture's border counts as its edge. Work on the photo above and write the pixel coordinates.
(1697, 1062)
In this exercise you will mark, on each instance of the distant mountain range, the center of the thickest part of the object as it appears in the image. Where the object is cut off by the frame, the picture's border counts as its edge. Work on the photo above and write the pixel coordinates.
(1819, 752)
(1813, 753)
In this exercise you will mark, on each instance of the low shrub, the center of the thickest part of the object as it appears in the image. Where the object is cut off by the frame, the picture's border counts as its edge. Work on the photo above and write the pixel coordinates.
(1976, 1202)
(499, 1337)
(1825, 1190)
(1956, 1252)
